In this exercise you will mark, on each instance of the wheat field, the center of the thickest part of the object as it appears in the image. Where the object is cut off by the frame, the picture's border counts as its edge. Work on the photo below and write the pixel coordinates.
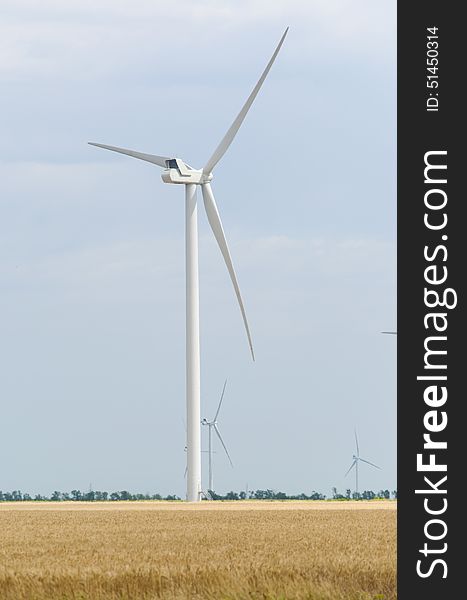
(213, 551)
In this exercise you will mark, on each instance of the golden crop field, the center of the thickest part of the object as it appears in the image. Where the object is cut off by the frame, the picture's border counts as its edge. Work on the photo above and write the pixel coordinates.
(213, 551)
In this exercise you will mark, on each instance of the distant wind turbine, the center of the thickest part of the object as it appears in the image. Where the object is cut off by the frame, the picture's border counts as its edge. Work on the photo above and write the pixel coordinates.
(356, 459)
(186, 450)
(214, 425)
(179, 172)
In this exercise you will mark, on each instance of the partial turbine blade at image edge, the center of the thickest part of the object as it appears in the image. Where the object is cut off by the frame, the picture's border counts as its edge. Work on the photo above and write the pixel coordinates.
(156, 160)
(222, 442)
(351, 467)
(231, 133)
(220, 403)
(216, 226)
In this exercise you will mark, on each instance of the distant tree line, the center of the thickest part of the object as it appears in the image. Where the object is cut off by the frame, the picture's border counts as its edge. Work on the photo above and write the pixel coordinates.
(366, 495)
(96, 496)
(265, 495)
(77, 495)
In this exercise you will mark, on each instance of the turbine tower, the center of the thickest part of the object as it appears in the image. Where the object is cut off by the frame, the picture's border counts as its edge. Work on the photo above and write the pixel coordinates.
(213, 425)
(356, 459)
(176, 171)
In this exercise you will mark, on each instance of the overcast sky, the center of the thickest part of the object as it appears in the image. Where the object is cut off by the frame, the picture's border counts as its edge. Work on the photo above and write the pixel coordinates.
(92, 317)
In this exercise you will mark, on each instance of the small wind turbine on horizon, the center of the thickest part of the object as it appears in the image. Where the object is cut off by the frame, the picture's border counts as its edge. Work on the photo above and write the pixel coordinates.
(177, 171)
(214, 425)
(186, 450)
(356, 459)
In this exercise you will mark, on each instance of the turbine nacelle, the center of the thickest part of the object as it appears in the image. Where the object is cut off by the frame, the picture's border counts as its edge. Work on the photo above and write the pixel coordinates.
(177, 171)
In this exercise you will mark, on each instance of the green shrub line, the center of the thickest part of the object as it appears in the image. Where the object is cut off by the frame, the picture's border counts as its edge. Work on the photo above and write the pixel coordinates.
(124, 495)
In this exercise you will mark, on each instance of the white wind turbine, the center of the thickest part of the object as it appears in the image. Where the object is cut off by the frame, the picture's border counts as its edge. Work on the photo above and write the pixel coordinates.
(356, 459)
(177, 171)
(186, 450)
(213, 425)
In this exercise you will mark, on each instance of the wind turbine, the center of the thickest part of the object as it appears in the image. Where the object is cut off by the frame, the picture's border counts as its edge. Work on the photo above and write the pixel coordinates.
(186, 450)
(356, 459)
(177, 171)
(213, 425)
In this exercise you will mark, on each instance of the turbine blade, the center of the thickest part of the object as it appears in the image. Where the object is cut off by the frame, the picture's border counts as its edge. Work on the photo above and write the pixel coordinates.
(216, 226)
(222, 397)
(351, 467)
(390, 332)
(222, 442)
(231, 133)
(157, 160)
(369, 463)
(356, 442)
(186, 471)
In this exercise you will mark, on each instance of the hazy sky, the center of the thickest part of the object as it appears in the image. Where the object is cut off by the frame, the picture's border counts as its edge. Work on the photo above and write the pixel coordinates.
(92, 317)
